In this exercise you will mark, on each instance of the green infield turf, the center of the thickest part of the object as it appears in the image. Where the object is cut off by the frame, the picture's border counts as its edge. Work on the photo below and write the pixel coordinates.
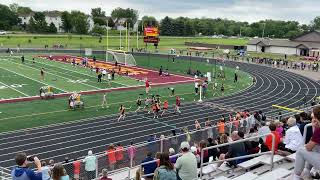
(22, 115)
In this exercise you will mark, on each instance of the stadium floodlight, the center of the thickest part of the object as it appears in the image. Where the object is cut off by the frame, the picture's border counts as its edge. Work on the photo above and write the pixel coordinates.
(121, 57)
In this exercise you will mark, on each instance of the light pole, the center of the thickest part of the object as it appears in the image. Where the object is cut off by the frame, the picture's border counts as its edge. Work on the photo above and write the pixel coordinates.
(264, 27)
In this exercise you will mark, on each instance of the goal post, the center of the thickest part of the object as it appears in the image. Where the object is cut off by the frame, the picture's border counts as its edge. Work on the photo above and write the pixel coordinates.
(121, 57)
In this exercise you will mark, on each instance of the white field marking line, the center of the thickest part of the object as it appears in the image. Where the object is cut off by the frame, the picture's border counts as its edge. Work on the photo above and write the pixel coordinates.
(52, 74)
(33, 79)
(76, 71)
(14, 89)
(103, 124)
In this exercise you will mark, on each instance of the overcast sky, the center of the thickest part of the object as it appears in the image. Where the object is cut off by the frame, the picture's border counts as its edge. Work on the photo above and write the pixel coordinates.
(243, 10)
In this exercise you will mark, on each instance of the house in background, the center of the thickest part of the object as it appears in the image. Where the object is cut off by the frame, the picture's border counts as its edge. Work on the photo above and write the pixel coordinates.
(53, 17)
(306, 44)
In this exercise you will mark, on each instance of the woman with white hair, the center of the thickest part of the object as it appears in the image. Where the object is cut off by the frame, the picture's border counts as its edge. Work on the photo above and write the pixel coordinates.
(90, 165)
(293, 139)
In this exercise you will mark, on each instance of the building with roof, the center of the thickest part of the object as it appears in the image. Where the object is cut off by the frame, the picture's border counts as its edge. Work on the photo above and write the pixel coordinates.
(53, 17)
(307, 44)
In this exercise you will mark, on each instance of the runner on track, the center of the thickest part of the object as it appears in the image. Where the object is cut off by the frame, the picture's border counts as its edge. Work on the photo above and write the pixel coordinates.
(122, 114)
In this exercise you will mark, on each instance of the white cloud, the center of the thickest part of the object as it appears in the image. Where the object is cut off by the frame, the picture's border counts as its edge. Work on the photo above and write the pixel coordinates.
(243, 10)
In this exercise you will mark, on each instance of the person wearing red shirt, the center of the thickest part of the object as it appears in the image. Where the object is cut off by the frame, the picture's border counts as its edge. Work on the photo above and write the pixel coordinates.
(147, 86)
(76, 169)
(165, 107)
(178, 103)
(268, 142)
(111, 153)
(119, 155)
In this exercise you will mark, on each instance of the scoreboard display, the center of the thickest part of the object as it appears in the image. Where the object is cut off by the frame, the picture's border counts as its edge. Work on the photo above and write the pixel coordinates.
(151, 35)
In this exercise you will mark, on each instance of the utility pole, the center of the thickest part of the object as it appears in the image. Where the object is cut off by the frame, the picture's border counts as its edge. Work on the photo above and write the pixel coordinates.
(264, 26)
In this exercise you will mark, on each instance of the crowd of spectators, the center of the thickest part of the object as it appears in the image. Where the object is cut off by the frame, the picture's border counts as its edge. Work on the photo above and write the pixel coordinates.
(182, 155)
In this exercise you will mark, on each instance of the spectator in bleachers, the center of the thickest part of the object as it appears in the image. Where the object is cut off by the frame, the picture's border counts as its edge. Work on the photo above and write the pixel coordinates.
(255, 142)
(104, 175)
(268, 141)
(263, 130)
(111, 153)
(212, 152)
(76, 169)
(235, 150)
(90, 165)
(132, 150)
(149, 167)
(186, 165)
(119, 155)
(22, 172)
(309, 155)
(221, 126)
(59, 173)
(45, 170)
(303, 121)
(68, 166)
(247, 144)
(201, 146)
(166, 169)
(279, 128)
(222, 140)
(293, 139)
(173, 157)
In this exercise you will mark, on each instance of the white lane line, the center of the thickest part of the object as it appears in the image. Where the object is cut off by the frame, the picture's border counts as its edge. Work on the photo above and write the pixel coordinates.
(52, 74)
(14, 89)
(34, 79)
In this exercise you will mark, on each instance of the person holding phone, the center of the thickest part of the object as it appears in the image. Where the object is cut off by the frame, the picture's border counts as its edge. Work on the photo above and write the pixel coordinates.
(22, 172)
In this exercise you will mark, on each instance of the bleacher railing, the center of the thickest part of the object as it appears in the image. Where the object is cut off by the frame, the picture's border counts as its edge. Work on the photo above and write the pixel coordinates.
(5, 174)
(202, 164)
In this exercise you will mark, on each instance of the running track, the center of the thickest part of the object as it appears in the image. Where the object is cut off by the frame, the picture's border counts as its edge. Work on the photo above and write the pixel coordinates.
(273, 86)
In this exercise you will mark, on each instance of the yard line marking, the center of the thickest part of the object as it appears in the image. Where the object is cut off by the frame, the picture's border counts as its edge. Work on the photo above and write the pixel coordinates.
(51, 74)
(78, 72)
(14, 89)
(34, 79)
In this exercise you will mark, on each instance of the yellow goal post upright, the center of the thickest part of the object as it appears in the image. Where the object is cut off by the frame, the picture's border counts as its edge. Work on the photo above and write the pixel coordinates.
(121, 57)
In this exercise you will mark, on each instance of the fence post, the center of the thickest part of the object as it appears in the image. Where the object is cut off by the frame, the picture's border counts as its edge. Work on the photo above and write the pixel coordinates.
(272, 153)
(161, 145)
(97, 168)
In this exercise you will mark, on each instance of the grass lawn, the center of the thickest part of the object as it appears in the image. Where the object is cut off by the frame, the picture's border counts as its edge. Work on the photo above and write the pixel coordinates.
(76, 41)
(23, 115)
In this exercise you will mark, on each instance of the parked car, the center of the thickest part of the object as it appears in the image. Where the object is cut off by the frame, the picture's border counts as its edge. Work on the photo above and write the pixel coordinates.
(3, 32)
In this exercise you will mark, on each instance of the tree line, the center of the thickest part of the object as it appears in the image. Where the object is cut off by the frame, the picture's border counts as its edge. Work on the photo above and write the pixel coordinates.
(77, 22)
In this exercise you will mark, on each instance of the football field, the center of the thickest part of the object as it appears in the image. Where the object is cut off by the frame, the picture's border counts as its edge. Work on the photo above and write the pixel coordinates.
(19, 79)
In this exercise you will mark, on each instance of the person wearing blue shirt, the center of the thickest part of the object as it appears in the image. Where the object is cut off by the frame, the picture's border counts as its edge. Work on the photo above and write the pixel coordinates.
(22, 172)
(149, 168)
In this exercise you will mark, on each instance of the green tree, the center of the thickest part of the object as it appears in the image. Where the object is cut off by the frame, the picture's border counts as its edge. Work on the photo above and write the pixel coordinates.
(99, 16)
(166, 27)
(128, 13)
(110, 22)
(315, 23)
(7, 18)
(52, 28)
(24, 10)
(66, 21)
(79, 22)
(32, 27)
(98, 30)
(40, 21)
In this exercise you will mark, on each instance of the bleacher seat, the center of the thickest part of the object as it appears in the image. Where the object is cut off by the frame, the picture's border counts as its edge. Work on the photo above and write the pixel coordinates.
(221, 178)
(275, 174)
(292, 157)
(246, 176)
(265, 159)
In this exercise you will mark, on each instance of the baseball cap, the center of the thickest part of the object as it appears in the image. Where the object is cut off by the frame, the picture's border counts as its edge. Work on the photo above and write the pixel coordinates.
(185, 145)
(193, 149)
